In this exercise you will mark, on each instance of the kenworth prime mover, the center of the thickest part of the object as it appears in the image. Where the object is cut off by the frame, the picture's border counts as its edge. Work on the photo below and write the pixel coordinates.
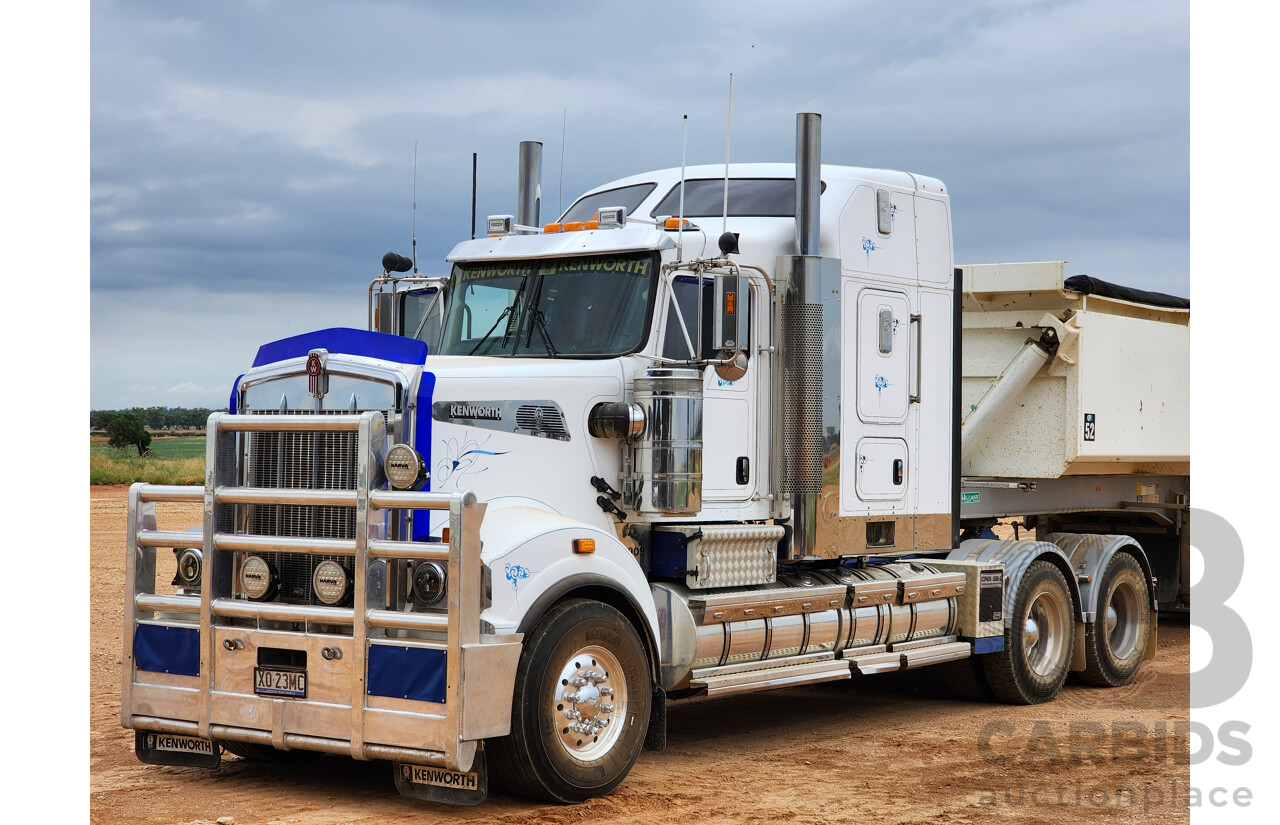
(664, 449)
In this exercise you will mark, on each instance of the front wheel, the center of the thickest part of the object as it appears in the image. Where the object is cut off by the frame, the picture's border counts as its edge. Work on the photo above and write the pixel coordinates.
(1033, 666)
(580, 708)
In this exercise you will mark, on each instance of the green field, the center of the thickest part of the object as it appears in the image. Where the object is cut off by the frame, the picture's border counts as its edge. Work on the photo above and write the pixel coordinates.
(175, 461)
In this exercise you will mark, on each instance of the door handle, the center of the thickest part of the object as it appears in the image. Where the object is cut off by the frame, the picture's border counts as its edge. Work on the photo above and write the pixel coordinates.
(918, 325)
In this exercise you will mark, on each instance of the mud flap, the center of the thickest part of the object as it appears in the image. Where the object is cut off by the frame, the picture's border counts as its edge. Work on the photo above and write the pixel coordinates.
(655, 739)
(444, 786)
(170, 749)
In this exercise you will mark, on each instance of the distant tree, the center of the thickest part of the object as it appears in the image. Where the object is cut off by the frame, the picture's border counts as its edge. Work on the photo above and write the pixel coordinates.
(127, 430)
(98, 418)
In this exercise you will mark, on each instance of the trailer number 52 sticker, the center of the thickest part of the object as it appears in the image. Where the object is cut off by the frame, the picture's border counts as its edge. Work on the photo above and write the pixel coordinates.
(1090, 427)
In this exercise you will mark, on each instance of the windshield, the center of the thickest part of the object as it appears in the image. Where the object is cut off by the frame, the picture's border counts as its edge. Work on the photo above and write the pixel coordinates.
(595, 306)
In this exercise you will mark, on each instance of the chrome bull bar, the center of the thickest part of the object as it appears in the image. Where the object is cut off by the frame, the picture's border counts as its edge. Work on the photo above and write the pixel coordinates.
(214, 705)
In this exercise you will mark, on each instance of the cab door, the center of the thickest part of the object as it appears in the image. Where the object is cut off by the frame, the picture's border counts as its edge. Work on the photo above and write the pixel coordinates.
(729, 408)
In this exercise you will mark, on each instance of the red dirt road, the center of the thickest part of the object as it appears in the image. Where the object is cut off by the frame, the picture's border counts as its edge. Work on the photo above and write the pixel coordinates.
(888, 749)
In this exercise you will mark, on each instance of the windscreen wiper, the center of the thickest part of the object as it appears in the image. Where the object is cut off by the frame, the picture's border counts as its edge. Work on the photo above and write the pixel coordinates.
(480, 343)
(541, 321)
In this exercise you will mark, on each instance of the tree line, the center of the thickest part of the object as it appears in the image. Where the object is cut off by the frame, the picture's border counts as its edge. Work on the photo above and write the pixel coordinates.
(156, 418)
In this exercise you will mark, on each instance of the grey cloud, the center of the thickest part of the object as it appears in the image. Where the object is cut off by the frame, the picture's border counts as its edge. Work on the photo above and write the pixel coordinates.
(246, 149)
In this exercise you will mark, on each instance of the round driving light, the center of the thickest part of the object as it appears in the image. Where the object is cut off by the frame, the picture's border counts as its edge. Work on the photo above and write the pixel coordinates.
(428, 584)
(330, 582)
(258, 578)
(190, 563)
(404, 466)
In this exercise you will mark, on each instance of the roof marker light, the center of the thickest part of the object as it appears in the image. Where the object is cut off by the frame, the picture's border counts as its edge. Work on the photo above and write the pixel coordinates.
(574, 226)
(591, 225)
(552, 227)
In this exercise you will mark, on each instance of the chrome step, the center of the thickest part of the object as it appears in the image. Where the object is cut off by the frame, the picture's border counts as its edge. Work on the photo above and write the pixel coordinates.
(909, 655)
(805, 673)
(933, 655)
(762, 664)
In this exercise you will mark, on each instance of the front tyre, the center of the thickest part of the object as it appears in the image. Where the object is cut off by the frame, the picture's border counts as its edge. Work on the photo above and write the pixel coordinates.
(580, 708)
(1114, 644)
(1033, 666)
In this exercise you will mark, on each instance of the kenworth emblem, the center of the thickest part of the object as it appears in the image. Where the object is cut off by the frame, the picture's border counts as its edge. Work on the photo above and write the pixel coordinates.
(475, 411)
(317, 381)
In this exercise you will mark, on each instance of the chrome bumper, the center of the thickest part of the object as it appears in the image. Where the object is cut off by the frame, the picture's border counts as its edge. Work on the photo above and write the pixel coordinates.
(215, 699)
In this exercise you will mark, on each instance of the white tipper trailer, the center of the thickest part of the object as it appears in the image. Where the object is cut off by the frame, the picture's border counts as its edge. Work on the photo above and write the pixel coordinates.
(663, 449)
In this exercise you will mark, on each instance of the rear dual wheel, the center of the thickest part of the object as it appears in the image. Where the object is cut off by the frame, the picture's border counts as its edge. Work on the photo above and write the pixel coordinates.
(1033, 666)
(1116, 642)
(581, 706)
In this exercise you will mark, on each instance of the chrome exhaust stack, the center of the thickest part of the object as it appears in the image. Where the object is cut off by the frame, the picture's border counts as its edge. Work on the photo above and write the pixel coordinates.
(529, 188)
(808, 182)
(809, 337)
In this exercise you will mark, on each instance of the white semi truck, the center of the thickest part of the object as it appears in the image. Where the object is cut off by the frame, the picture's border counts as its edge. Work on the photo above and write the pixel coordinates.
(663, 449)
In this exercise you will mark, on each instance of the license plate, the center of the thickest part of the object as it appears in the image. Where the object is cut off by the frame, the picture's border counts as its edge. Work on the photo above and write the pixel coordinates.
(274, 681)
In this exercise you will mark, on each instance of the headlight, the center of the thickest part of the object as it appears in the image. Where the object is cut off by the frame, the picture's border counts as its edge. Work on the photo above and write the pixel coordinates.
(190, 565)
(404, 467)
(330, 582)
(258, 578)
(429, 584)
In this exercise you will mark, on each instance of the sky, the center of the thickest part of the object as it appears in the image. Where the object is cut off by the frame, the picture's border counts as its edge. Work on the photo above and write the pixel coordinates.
(250, 162)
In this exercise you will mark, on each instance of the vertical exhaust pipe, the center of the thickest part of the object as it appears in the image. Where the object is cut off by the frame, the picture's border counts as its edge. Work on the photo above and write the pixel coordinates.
(807, 402)
(529, 190)
(808, 182)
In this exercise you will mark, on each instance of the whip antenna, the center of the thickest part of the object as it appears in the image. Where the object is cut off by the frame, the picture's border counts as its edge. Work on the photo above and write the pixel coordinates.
(728, 130)
(684, 153)
(564, 128)
(413, 231)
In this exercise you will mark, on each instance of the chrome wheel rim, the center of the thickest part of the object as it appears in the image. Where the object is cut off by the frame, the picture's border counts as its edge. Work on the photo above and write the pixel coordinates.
(590, 703)
(1122, 616)
(1044, 635)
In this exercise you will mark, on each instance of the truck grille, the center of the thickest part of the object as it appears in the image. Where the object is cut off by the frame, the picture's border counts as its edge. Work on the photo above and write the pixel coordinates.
(301, 461)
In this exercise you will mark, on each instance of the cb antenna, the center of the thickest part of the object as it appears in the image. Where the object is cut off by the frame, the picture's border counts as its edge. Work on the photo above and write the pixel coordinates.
(728, 131)
(413, 231)
(564, 129)
(684, 155)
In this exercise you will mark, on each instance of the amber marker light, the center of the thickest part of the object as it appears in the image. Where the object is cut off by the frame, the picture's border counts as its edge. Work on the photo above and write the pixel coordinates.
(552, 228)
(574, 226)
(584, 545)
(591, 225)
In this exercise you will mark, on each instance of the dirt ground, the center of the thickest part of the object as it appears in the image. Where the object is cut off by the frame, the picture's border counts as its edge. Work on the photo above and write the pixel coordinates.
(891, 749)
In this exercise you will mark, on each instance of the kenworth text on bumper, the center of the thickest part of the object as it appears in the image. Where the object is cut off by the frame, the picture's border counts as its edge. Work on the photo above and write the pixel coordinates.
(621, 459)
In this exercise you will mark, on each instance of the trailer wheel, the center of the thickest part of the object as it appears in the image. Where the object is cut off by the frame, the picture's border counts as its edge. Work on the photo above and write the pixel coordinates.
(581, 706)
(1033, 666)
(1117, 641)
